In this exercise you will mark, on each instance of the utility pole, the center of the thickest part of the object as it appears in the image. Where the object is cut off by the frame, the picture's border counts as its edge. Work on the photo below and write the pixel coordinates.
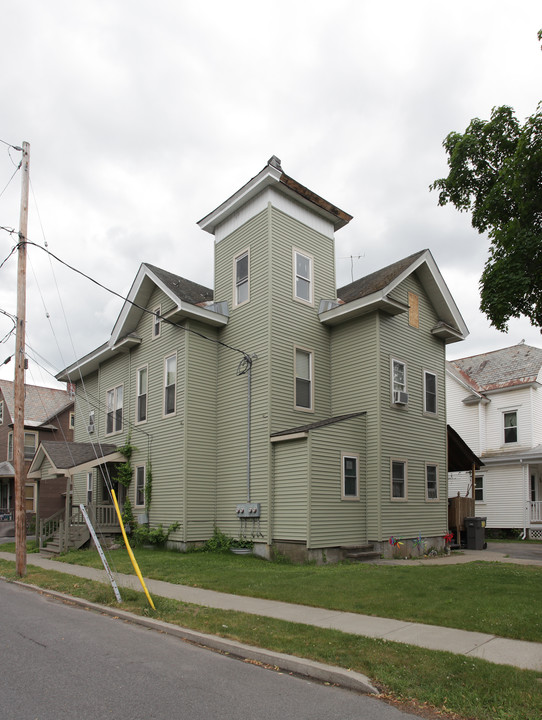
(20, 366)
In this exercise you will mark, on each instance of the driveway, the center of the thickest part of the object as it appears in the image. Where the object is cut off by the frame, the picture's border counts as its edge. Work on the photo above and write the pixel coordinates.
(520, 550)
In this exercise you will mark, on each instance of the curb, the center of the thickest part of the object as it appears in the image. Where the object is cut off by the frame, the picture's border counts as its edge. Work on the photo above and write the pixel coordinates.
(302, 667)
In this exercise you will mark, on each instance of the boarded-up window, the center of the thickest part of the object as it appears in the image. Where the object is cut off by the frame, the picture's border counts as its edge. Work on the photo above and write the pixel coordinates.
(413, 310)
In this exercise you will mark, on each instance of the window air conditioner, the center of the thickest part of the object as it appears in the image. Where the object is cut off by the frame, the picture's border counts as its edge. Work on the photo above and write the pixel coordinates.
(400, 398)
(90, 428)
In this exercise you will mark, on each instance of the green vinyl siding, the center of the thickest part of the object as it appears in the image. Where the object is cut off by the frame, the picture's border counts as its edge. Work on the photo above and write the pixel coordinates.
(334, 521)
(406, 433)
(290, 490)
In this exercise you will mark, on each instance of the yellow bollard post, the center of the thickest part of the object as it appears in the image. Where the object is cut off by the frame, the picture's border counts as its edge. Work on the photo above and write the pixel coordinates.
(130, 553)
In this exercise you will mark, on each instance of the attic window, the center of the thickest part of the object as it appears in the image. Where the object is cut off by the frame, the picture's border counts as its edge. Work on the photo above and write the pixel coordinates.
(413, 310)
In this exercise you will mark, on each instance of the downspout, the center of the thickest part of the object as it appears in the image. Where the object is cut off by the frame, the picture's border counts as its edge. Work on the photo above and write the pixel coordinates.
(525, 500)
(249, 397)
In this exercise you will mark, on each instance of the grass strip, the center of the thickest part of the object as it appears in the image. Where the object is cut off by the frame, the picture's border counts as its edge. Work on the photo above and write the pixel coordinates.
(491, 597)
(469, 688)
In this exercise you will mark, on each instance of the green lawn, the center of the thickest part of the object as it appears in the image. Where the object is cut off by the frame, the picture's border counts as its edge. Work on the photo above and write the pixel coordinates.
(498, 598)
(438, 684)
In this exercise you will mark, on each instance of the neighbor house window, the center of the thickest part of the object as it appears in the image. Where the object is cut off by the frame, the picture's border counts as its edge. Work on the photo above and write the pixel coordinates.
(350, 477)
(141, 401)
(156, 324)
(241, 278)
(510, 427)
(72, 421)
(398, 479)
(114, 410)
(303, 379)
(431, 482)
(1, 412)
(140, 485)
(170, 379)
(430, 393)
(89, 488)
(479, 488)
(30, 445)
(303, 277)
(10, 446)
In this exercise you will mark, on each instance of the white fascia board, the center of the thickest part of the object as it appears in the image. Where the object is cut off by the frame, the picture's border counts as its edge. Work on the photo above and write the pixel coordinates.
(268, 176)
(139, 293)
(86, 365)
(291, 436)
(362, 306)
(195, 312)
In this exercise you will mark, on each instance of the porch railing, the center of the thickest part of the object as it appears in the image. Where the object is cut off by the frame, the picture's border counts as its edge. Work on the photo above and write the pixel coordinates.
(103, 517)
(536, 511)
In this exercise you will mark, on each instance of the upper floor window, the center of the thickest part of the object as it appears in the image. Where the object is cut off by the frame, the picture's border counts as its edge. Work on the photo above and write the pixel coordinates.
(399, 382)
(398, 479)
(303, 379)
(429, 393)
(170, 380)
(114, 410)
(30, 445)
(303, 277)
(350, 477)
(140, 485)
(511, 427)
(141, 401)
(431, 482)
(72, 421)
(156, 324)
(413, 310)
(241, 278)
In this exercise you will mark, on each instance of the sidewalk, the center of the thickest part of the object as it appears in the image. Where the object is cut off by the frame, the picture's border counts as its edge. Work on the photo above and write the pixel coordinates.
(526, 655)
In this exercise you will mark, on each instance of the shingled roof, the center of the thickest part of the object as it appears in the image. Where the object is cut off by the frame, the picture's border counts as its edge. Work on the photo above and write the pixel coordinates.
(41, 404)
(377, 280)
(185, 290)
(509, 367)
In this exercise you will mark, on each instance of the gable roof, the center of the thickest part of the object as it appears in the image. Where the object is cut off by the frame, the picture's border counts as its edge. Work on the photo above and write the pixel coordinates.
(501, 369)
(41, 404)
(372, 292)
(66, 458)
(188, 300)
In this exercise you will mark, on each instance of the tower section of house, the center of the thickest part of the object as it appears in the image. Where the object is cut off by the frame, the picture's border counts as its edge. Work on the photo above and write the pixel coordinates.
(495, 404)
(274, 261)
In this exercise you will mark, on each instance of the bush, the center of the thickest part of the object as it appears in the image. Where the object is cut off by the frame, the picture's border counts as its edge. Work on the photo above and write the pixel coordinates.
(143, 535)
(220, 542)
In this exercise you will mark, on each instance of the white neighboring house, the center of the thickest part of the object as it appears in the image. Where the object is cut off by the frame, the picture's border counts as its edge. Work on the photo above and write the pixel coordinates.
(494, 402)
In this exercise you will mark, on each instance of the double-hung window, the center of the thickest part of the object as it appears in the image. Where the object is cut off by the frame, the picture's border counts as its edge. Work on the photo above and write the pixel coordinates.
(511, 427)
(10, 446)
(241, 278)
(399, 382)
(114, 410)
(156, 324)
(89, 488)
(398, 479)
(350, 477)
(30, 443)
(303, 379)
(303, 277)
(140, 485)
(431, 482)
(479, 488)
(170, 381)
(429, 393)
(141, 404)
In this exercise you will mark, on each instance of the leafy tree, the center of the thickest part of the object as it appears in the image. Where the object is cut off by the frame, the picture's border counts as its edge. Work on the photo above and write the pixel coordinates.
(496, 174)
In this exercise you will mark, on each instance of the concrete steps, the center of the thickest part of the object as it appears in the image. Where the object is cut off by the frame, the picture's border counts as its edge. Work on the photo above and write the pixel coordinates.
(361, 553)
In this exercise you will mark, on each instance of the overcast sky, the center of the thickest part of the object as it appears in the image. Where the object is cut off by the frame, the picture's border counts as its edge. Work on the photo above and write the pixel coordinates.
(143, 116)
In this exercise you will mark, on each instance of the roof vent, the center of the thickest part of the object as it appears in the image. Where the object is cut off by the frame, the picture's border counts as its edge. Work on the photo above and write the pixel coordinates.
(274, 161)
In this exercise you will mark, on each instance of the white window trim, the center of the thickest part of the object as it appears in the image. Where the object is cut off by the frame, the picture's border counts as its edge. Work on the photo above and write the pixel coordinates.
(156, 323)
(144, 468)
(354, 456)
(115, 395)
(394, 360)
(427, 498)
(138, 395)
(310, 258)
(427, 412)
(483, 488)
(238, 257)
(166, 358)
(405, 463)
(310, 353)
(503, 426)
(11, 441)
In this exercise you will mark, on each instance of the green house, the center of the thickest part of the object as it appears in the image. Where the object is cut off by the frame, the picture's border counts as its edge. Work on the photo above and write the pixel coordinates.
(275, 407)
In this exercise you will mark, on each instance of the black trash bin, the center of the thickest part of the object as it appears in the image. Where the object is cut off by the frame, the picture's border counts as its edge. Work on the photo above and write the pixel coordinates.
(476, 533)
